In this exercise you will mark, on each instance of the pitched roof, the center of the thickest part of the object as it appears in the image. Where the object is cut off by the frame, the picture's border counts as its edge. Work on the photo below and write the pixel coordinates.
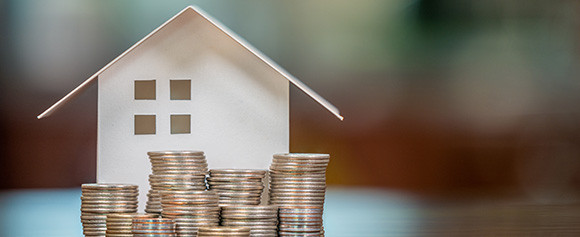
(79, 89)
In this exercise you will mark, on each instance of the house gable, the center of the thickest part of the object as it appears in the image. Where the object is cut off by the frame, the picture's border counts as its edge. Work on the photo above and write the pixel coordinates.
(191, 10)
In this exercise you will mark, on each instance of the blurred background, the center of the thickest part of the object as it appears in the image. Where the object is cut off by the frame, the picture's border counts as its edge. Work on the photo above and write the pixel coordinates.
(461, 117)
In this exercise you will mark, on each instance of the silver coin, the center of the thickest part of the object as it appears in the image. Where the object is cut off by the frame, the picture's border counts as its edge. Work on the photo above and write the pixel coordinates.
(223, 231)
(234, 179)
(200, 193)
(252, 208)
(180, 166)
(248, 214)
(105, 194)
(234, 186)
(314, 174)
(301, 209)
(108, 186)
(176, 152)
(300, 164)
(302, 155)
(238, 171)
(241, 175)
(176, 176)
(297, 190)
(297, 179)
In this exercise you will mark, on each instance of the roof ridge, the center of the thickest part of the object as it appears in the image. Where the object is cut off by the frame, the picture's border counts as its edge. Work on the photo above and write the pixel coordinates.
(315, 96)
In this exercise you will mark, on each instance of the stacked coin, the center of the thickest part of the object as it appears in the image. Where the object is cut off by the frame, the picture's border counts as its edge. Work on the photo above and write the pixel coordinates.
(298, 179)
(175, 170)
(300, 221)
(219, 231)
(237, 186)
(190, 210)
(153, 204)
(98, 200)
(121, 224)
(146, 226)
(262, 220)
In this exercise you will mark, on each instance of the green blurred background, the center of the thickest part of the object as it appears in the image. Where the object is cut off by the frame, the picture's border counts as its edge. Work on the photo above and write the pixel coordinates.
(442, 98)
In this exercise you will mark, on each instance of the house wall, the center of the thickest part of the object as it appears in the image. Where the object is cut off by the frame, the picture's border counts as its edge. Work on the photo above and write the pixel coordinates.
(239, 106)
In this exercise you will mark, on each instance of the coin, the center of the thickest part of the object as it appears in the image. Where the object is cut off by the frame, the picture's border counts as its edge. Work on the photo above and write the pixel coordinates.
(300, 220)
(100, 199)
(297, 184)
(261, 219)
(121, 224)
(223, 231)
(148, 226)
(190, 209)
(237, 186)
(175, 171)
(175, 153)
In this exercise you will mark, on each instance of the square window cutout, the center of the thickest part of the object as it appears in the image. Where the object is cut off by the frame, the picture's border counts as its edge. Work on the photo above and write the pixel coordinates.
(180, 89)
(181, 124)
(145, 89)
(144, 124)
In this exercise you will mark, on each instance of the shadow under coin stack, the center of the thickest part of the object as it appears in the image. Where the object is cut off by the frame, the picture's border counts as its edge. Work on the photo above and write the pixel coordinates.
(121, 224)
(220, 231)
(174, 170)
(153, 227)
(237, 186)
(98, 200)
(190, 210)
(262, 220)
(298, 180)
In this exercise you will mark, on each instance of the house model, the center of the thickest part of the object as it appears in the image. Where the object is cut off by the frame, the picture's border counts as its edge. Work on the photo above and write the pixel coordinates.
(191, 84)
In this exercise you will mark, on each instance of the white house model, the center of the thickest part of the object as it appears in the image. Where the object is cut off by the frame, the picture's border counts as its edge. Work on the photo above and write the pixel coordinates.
(190, 84)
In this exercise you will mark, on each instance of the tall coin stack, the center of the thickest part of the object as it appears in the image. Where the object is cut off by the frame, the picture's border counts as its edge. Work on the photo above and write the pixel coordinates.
(262, 220)
(153, 227)
(298, 179)
(300, 221)
(174, 170)
(190, 210)
(98, 200)
(220, 231)
(237, 186)
(121, 224)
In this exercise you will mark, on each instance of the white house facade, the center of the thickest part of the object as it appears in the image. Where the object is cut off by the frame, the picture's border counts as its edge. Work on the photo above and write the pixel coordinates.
(235, 108)
(189, 85)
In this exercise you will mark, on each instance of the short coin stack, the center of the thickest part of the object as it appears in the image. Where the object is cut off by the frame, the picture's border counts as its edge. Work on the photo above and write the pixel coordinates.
(98, 200)
(237, 186)
(175, 170)
(220, 231)
(262, 220)
(298, 179)
(190, 210)
(300, 221)
(121, 224)
(153, 204)
(153, 227)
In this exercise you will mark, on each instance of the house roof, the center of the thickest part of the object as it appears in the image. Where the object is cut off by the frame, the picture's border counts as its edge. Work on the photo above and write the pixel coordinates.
(79, 89)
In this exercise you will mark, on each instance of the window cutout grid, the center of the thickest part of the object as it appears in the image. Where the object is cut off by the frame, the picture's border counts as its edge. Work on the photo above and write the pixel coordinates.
(144, 124)
(180, 89)
(180, 124)
(145, 90)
